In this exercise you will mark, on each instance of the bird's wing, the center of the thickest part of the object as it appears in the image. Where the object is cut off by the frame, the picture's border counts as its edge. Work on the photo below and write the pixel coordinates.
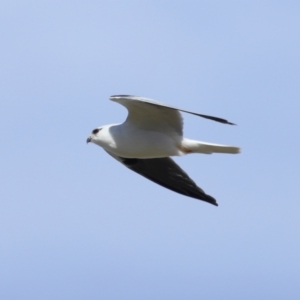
(165, 172)
(151, 115)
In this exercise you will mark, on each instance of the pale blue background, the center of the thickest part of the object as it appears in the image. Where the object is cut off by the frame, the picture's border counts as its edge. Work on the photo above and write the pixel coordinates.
(75, 224)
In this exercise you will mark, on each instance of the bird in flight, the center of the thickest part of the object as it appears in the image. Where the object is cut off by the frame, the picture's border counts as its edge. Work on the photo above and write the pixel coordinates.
(151, 134)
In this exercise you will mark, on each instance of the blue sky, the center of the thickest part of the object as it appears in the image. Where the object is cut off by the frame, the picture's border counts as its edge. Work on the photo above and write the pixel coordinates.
(76, 224)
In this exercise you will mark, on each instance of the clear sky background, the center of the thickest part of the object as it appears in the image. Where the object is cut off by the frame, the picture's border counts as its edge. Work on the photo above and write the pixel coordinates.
(76, 224)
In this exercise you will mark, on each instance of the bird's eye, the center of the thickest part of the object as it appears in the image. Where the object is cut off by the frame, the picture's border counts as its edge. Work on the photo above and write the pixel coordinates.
(95, 131)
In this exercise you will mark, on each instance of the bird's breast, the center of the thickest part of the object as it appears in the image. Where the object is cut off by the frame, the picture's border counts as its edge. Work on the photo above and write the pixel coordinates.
(129, 142)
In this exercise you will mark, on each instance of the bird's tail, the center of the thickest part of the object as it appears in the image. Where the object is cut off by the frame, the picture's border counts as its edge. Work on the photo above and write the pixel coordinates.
(192, 146)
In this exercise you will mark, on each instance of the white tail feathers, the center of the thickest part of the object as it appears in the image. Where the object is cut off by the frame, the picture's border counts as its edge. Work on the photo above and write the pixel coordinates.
(191, 146)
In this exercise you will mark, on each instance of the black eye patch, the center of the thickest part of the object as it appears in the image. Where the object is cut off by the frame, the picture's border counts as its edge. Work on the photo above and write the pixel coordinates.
(95, 131)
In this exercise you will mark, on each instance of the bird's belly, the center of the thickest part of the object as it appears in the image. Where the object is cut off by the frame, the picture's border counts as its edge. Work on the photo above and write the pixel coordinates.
(143, 144)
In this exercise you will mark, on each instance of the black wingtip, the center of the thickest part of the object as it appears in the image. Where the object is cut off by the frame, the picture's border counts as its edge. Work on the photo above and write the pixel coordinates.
(220, 120)
(209, 199)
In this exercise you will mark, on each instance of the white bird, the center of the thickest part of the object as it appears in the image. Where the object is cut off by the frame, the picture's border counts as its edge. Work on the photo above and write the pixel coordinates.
(151, 134)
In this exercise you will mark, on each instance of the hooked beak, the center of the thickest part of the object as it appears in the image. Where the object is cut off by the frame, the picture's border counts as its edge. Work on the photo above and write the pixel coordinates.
(88, 139)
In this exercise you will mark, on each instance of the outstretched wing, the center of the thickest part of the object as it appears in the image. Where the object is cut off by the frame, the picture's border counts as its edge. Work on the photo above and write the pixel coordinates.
(146, 109)
(165, 172)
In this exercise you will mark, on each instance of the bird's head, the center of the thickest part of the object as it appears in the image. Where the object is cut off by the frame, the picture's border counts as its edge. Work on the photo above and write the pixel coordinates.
(94, 135)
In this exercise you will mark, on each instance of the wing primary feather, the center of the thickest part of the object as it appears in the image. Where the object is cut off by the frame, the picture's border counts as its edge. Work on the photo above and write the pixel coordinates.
(165, 172)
